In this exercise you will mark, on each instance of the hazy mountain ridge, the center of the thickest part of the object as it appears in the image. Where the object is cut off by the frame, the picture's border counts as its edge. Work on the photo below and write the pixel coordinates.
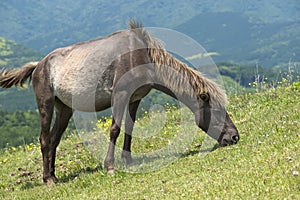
(237, 40)
(45, 25)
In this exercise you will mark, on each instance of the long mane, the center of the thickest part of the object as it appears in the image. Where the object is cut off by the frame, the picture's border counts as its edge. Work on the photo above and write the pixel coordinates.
(162, 59)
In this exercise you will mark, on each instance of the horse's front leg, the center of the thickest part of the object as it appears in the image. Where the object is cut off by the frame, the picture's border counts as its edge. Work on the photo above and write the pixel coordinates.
(118, 111)
(110, 156)
(129, 123)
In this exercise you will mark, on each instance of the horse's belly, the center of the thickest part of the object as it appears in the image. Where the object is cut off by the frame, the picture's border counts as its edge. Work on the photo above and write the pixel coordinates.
(84, 99)
(83, 87)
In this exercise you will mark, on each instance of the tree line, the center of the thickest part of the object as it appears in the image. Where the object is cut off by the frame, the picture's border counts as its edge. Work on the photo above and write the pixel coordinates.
(19, 127)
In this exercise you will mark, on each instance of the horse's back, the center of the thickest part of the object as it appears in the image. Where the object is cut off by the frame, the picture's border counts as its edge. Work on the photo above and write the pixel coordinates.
(82, 74)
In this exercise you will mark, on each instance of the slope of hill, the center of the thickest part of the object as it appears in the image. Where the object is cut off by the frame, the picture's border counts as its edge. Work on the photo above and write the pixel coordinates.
(14, 55)
(263, 165)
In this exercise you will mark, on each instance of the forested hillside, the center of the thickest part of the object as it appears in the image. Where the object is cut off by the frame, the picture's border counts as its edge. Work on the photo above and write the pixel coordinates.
(14, 55)
(18, 128)
(238, 38)
(18, 125)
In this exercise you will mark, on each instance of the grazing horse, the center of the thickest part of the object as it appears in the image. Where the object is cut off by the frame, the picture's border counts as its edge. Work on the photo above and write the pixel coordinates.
(117, 70)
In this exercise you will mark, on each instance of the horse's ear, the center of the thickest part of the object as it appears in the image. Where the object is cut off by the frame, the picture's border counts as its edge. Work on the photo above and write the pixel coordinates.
(204, 97)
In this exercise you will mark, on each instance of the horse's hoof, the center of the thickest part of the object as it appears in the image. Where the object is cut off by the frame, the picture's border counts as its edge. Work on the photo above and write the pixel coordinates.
(129, 160)
(127, 157)
(51, 181)
(111, 172)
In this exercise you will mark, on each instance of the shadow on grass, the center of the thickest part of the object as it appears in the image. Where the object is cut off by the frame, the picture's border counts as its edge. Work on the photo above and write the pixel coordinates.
(72, 176)
(29, 185)
(149, 163)
(201, 151)
(141, 164)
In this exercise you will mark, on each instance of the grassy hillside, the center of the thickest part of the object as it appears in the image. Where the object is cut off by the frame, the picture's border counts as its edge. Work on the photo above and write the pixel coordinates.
(263, 165)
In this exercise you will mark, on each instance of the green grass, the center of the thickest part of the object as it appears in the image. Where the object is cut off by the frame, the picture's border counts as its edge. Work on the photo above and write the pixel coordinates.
(265, 164)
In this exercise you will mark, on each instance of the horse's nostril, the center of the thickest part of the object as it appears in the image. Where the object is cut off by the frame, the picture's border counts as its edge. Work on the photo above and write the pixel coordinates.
(235, 138)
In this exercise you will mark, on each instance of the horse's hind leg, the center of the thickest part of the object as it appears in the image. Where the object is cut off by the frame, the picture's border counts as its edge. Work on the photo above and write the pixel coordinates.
(45, 102)
(50, 140)
(63, 115)
(129, 123)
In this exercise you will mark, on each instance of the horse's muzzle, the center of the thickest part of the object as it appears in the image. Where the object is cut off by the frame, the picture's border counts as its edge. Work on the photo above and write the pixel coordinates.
(229, 140)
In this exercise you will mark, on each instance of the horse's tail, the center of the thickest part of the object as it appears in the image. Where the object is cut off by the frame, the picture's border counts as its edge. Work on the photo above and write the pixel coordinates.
(18, 76)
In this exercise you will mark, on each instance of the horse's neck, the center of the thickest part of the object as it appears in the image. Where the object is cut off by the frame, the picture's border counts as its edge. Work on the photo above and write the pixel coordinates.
(177, 76)
(177, 86)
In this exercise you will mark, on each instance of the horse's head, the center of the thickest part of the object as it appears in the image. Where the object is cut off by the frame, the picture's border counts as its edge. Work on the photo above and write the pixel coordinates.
(215, 121)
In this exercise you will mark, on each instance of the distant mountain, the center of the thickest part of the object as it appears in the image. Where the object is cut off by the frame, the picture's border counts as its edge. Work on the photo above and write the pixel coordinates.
(242, 31)
(238, 40)
(45, 25)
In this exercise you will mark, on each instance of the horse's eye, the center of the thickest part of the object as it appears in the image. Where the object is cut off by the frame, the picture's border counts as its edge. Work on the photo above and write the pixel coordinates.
(204, 97)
